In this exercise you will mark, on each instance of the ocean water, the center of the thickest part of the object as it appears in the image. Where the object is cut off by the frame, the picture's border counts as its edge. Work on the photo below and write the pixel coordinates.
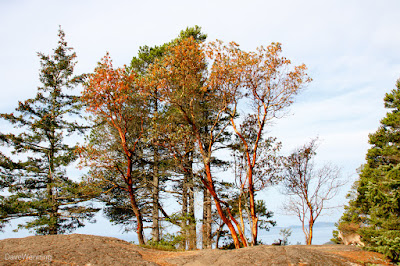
(322, 234)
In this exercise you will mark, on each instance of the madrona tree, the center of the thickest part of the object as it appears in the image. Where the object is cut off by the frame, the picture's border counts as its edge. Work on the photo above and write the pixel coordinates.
(114, 151)
(193, 90)
(266, 83)
(34, 173)
(181, 77)
(309, 188)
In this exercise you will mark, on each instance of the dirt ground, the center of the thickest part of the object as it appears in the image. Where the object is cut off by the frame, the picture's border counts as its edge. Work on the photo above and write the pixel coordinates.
(92, 250)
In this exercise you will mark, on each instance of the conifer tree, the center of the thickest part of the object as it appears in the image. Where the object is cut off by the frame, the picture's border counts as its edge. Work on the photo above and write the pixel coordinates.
(375, 202)
(145, 57)
(35, 173)
(160, 153)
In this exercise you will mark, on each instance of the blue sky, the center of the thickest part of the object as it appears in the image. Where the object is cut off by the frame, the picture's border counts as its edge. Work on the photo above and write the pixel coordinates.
(350, 47)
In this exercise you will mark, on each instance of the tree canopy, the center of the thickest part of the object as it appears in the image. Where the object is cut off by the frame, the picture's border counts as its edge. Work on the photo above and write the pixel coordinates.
(35, 173)
(157, 126)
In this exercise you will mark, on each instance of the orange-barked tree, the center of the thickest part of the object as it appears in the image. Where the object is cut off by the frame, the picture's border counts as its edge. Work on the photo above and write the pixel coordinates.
(115, 148)
(187, 87)
(207, 98)
(267, 86)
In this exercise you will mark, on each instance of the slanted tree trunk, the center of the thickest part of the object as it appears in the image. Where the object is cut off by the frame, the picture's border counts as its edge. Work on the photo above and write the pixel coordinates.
(134, 205)
(227, 219)
(138, 215)
(208, 183)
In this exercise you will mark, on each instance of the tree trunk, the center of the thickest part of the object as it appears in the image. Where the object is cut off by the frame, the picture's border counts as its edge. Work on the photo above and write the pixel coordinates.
(53, 227)
(254, 218)
(192, 218)
(206, 219)
(138, 215)
(135, 208)
(209, 220)
(310, 230)
(155, 233)
(221, 213)
(218, 234)
(184, 227)
(310, 222)
(208, 183)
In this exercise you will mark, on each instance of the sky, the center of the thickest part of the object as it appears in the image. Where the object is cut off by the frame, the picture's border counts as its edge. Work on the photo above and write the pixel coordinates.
(351, 49)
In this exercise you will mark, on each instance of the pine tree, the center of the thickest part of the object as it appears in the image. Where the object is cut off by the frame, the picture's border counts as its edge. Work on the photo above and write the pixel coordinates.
(146, 56)
(37, 183)
(159, 159)
(375, 202)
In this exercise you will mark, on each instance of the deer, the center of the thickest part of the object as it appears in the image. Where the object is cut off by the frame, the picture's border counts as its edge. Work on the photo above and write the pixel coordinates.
(278, 243)
(351, 239)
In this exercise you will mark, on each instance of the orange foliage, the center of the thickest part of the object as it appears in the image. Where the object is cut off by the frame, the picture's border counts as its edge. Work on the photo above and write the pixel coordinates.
(108, 89)
(198, 80)
(113, 97)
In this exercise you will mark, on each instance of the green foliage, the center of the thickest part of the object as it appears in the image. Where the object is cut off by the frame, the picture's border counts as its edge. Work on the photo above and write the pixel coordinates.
(386, 242)
(106, 156)
(285, 233)
(178, 218)
(105, 174)
(194, 32)
(335, 239)
(375, 200)
(169, 242)
(230, 245)
(37, 183)
(148, 55)
(264, 216)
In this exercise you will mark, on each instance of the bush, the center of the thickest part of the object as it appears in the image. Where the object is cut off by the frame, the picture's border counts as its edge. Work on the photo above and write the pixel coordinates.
(169, 242)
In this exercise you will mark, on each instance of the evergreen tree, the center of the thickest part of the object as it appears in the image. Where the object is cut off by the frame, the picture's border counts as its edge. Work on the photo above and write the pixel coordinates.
(159, 154)
(145, 162)
(37, 183)
(375, 202)
(145, 57)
